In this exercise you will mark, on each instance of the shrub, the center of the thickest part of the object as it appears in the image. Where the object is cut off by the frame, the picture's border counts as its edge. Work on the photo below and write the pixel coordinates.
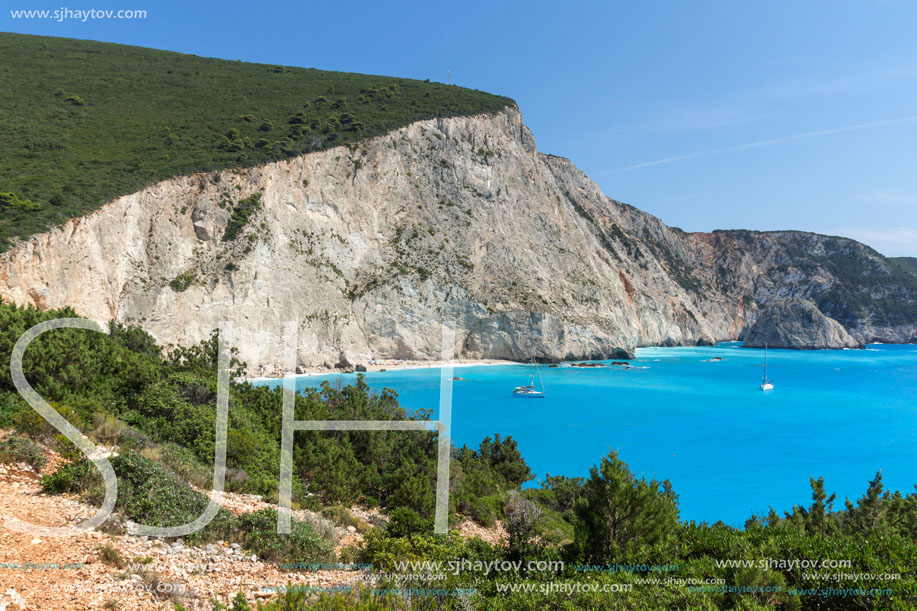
(16, 449)
(10, 405)
(383, 551)
(522, 518)
(239, 603)
(404, 522)
(240, 215)
(112, 556)
(258, 531)
(14, 202)
(558, 493)
(482, 509)
(341, 516)
(31, 423)
(181, 282)
(75, 477)
(148, 493)
(232, 146)
(106, 428)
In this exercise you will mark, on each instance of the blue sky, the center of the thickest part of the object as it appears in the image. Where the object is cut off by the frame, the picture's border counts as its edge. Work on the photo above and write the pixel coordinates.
(776, 115)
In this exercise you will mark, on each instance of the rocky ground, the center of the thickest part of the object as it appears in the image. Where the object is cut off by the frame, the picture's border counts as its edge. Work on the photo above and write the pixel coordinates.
(180, 573)
(125, 572)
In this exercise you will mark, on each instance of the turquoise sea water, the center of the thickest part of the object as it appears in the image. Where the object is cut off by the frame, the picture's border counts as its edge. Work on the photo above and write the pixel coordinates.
(729, 449)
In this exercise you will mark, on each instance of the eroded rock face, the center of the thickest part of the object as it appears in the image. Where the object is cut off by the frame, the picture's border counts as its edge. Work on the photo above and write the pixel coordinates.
(797, 324)
(460, 220)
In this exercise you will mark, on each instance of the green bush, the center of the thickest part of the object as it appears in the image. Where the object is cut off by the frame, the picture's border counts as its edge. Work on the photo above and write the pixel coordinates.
(33, 424)
(12, 201)
(17, 449)
(240, 215)
(482, 509)
(10, 405)
(341, 516)
(258, 532)
(360, 600)
(112, 556)
(181, 282)
(558, 494)
(106, 428)
(76, 477)
(404, 522)
(383, 551)
(148, 493)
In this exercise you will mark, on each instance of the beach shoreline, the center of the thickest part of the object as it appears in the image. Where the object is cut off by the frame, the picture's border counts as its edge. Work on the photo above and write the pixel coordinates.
(383, 365)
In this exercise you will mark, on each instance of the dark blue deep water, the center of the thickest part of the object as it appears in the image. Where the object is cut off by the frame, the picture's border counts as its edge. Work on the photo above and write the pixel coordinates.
(729, 449)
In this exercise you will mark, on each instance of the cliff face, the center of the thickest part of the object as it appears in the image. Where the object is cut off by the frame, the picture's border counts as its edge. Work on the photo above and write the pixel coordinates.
(370, 248)
(797, 323)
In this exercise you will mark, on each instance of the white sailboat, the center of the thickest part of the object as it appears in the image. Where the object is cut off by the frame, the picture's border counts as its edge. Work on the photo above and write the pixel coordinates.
(530, 391)
(765, 383)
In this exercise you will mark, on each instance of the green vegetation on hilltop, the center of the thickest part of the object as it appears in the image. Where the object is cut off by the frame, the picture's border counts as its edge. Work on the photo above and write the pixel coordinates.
(84, 122)
(908, 264)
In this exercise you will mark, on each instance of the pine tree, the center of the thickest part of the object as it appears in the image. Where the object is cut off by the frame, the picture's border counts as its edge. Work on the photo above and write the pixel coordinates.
(617, 510)
(868, 514)
(817, 519)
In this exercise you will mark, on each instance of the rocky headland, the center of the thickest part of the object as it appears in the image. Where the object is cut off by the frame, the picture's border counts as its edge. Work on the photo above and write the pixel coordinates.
(371, 248)
(798, 324)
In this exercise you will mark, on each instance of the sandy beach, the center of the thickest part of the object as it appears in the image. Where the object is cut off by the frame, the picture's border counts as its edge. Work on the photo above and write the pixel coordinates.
(275, 372)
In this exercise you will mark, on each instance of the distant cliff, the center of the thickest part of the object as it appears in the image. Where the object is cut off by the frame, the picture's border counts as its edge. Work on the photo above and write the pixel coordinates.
(797, 323)
(369, 247)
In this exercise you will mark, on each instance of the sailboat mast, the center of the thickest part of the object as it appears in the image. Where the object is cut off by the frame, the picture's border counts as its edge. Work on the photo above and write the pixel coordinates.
(532, 358)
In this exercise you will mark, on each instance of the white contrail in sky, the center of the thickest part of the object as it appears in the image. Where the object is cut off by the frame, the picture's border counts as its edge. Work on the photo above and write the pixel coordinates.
(751, 145)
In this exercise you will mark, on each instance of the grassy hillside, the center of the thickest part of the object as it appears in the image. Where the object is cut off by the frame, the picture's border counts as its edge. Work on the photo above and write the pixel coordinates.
(908, 264)
(84, 122)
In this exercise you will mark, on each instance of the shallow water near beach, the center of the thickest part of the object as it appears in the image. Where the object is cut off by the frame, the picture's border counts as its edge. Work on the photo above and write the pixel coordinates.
(728, 448)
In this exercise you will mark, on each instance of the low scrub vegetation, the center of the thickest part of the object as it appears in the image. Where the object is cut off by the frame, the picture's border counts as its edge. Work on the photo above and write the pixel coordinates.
(160, 411)
(19, 449)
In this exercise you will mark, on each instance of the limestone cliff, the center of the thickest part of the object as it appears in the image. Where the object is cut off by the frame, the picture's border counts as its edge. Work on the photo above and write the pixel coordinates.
(369, 248)
(798, 324)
